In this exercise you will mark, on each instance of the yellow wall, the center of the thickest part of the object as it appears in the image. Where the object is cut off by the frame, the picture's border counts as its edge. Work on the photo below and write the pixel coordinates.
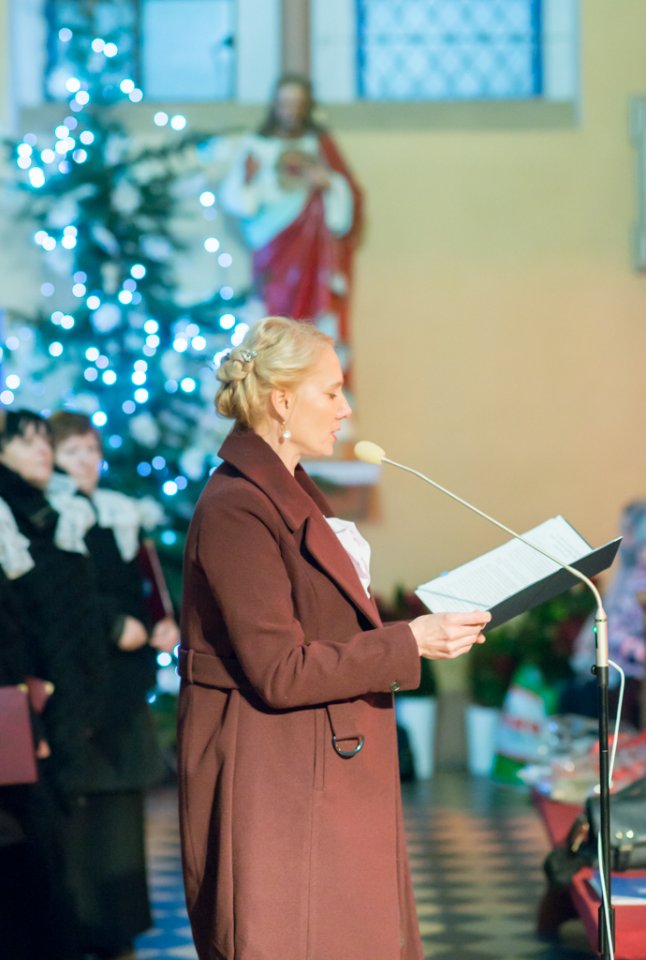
(500, 328)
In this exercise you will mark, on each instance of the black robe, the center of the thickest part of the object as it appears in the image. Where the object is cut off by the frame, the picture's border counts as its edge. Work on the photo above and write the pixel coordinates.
(107, 842)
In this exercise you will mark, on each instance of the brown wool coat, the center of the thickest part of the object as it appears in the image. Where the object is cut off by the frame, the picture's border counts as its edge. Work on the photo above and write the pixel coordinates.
(291, 852)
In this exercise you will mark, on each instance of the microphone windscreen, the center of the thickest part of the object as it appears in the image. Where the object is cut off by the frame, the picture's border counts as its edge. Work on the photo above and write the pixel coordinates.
(369, 452)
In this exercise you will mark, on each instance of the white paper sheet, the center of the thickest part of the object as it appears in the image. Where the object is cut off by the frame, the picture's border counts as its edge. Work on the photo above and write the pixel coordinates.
(495, 576)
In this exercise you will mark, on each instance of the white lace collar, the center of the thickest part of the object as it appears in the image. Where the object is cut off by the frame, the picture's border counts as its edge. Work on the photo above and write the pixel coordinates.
(75, 516)
(121, 514)
(124, 515)
(15, 558)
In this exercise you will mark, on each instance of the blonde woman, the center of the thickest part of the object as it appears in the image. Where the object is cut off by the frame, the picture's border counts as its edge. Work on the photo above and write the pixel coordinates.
(290, 808)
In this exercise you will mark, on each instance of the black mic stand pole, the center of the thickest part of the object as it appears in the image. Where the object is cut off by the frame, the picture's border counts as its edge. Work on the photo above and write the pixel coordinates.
(606, 924)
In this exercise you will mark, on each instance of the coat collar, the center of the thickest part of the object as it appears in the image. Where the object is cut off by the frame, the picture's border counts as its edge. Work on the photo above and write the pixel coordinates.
(292, 495)
(301, 504)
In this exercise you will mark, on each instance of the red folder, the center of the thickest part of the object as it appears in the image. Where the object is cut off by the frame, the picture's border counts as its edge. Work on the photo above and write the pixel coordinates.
(17, 754)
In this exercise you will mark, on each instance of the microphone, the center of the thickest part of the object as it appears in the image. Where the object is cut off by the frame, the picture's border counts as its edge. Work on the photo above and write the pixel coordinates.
(371, 452)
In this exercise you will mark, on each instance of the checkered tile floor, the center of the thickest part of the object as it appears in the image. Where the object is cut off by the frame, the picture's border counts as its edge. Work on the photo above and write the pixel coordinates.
(476, 850)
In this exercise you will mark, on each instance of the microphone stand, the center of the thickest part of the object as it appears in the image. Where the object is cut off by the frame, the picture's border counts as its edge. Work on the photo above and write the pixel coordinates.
(606, 913)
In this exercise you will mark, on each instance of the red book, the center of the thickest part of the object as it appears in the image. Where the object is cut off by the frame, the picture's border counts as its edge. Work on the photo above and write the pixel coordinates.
(157, 594)
(17, 754)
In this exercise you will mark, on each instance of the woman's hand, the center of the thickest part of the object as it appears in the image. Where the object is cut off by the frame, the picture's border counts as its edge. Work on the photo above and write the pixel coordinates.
(133, 635)
(165, 635)
(445, 636)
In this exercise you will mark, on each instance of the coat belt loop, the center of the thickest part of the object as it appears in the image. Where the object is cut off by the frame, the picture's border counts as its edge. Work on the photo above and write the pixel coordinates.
(186, 665)
(210, 670)
(189, 665)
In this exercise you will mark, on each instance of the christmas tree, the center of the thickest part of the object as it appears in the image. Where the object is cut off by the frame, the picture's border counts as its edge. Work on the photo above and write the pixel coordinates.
(116, 336)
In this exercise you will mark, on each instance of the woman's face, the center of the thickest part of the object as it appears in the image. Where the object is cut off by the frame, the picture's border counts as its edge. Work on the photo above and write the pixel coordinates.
(317, 408)
(291, 108)
(80, 455)
(30, 456)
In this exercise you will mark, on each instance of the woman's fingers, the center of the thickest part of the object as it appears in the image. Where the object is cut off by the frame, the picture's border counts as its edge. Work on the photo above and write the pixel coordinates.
(446, 636)
(473, 618)
(457, 646)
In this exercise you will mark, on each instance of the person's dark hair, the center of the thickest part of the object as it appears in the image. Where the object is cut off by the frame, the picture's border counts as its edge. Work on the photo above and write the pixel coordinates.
(16, 423)
(270, 124)
(66, 423)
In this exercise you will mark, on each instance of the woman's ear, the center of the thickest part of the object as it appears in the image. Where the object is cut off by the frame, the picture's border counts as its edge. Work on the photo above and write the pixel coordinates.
(281, 401)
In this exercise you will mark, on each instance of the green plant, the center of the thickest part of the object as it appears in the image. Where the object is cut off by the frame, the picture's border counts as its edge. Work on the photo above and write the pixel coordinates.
(428, 682)
(543, 636)
(492, 664)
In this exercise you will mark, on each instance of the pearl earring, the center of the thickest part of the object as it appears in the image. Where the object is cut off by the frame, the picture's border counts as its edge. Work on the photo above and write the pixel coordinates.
(286, 434)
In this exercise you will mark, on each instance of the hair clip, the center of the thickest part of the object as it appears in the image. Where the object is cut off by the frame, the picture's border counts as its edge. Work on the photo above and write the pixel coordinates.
(248, 355)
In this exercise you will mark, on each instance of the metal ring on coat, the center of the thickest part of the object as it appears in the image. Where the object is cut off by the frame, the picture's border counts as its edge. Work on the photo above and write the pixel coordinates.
(348, 754)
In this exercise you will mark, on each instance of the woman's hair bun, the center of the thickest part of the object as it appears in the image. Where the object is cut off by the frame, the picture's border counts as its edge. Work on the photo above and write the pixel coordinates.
(236, 365)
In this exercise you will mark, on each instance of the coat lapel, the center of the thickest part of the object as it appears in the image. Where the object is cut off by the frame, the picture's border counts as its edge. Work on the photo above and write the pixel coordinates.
(324, 546)
(301, 504)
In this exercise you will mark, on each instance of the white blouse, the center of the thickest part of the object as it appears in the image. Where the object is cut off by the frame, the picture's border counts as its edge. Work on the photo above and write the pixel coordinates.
(356, 546)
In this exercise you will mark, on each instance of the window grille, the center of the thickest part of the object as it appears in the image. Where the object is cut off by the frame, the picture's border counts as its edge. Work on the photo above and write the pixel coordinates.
(448, 49)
